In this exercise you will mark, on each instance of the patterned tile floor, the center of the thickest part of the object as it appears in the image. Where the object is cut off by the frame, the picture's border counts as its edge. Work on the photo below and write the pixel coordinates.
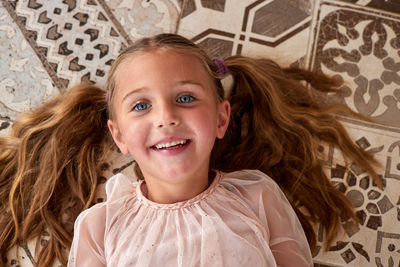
(48, 46)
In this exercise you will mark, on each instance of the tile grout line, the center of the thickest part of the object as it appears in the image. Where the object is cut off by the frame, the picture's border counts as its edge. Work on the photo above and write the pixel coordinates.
(50, 71)
(25, 247)
(178, 22)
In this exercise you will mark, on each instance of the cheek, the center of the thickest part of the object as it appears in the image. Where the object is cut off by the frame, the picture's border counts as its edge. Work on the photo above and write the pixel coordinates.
(135, 136)
(207, 125)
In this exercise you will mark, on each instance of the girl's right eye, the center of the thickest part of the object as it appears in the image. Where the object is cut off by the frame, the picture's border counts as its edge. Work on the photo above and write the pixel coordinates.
(141, 106)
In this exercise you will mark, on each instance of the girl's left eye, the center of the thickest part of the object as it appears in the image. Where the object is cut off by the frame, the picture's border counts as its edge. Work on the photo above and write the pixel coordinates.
(185, 99)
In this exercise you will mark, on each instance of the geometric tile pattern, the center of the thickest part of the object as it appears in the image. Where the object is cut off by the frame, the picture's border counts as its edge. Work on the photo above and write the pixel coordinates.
(258, 26)
(69, 42)
(77, 40)
(58, 29)
(48, 46)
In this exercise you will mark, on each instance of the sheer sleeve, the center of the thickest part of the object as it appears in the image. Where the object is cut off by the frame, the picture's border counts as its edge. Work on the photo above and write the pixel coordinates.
(87, 247)
(287, 240)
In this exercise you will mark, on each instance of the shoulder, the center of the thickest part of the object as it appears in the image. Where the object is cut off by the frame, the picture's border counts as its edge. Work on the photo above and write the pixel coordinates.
(118, 188)
(253, 187)
(85, 231)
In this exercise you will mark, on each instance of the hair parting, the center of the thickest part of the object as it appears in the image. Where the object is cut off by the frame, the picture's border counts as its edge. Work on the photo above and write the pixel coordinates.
(50, 163)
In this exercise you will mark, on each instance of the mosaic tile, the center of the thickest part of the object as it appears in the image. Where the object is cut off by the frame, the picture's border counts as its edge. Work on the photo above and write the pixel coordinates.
(63, 42)
(268, 28)
(362, 47)
(368, 56)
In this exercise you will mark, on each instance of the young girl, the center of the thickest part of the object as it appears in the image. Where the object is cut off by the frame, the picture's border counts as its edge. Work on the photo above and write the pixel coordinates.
(204, 198)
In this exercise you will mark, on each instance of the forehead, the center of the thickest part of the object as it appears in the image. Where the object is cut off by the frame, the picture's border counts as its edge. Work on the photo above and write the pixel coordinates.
(148, 65)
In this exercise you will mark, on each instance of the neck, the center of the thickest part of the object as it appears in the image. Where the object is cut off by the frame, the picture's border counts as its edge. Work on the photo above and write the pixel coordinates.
(172, 192)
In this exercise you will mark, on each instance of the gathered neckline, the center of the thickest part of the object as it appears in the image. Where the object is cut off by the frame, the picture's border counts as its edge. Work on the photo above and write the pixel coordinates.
(181, 204)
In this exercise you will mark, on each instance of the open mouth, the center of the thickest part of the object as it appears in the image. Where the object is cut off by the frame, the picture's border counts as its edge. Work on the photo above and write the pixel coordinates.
(171, 145)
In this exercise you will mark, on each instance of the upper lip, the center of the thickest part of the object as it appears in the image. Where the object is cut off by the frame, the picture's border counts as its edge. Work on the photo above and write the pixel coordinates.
(169, 141)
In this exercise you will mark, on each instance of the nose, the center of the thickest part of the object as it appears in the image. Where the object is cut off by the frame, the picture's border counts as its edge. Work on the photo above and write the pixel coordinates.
(167, 116)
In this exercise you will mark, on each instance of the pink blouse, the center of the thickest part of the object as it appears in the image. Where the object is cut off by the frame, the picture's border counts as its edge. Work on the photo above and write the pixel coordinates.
(241, 219)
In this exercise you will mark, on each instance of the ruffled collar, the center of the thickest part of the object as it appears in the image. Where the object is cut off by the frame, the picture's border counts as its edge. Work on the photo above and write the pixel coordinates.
(178, 205)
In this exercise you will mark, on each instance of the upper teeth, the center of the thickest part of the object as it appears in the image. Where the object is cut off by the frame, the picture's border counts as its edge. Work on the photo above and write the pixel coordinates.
(174, 143)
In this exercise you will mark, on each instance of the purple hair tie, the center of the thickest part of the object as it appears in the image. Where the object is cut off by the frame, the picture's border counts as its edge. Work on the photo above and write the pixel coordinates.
(220, 63)
(107, 96)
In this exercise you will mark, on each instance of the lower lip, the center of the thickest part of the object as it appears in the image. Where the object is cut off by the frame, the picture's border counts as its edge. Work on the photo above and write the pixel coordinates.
(173, 151)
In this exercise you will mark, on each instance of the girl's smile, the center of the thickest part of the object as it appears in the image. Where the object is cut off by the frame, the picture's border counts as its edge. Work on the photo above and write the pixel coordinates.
(171, 145)
(167, 117)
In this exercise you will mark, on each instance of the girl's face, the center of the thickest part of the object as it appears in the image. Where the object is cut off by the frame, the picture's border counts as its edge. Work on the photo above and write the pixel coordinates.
(166, 115)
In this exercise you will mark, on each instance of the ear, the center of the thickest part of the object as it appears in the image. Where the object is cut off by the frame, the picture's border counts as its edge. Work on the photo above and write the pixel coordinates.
(223, 118)
(117, 136)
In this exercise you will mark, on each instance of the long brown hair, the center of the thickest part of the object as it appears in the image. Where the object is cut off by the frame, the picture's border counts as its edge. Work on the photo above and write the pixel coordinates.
(49, 165)
(49, 169)
(277, 127)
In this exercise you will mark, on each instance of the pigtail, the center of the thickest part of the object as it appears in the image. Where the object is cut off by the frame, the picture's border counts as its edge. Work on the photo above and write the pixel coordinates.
(49, 170)
(276, 127)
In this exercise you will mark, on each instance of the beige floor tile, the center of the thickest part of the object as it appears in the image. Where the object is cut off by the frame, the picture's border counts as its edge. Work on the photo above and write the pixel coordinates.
(275, 29)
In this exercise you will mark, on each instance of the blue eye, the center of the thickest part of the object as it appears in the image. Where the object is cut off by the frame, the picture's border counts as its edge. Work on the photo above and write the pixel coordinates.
(141, 106)
(185, 99)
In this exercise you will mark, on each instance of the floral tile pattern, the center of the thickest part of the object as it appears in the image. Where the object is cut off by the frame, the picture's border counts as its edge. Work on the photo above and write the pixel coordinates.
(20, 68)
(48, 46)
(363, 49)
(377, 208)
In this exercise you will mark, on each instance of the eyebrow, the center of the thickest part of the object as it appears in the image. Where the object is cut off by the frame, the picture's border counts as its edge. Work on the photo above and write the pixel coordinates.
(140, 89)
